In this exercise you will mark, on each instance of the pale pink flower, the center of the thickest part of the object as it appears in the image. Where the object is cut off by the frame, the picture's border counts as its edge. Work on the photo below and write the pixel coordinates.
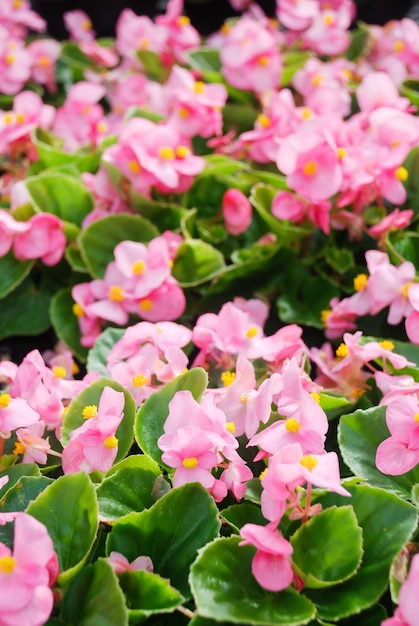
(388, 285)
(15, 413)
(396, 220)
(44, 54)
(15, 64)
(297, 15)
(9, 228)
(90, 325)
(180, 35)
(28, 112)
(45, 239)
(399, 453)
(165, 303)
(79, 25)
(18, 18)
(327, 34)
(32, 445)
(237, 211)
(376, 90)
(121, 564)
(272, 564)
(135, 375)
(406, 614)
(144, 267)
(27, 573)
(138, 32)
(234, 477)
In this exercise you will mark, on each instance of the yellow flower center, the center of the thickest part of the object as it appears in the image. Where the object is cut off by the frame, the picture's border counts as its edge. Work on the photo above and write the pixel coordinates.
(315, 396)
(342, 350)
(263, 61)
(8, 118)
(4, 400)
(20, 118)
(199, 87)
(183, 20)
(140, 380)
(317, 80)
(291, 425)
(134, 167)
(416, 416)
(87, 25)
(167, 153)
(19, 448)
(251, 332)
(144, 43)
(310, 168)
(10, 59)
(7, 564)
(77, 310)
(17, 4)
(146, 304)
(387, 344)
(111, 442)
(309, 462)
(328, 19)
(228, 378)
(342, 152)
(59, 371)
(398, 45)
(139, 266)
(263, 473)
(405, 290)
(44, 61)
(89, 411)
(360, 282)
(183, 112)
(231, 427)
(115, 294)
(182, 152)
(190, 462)
(263, 120)
(306, 113)
(324, 315)
(102, 127)
(244, 398)
(401, 173)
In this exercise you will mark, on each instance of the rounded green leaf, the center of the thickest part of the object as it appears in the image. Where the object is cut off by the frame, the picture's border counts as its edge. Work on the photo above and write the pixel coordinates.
(12, 272)
(51, 153)
(23, 492)
(68, 508)
(328, 548)
(127, 487)
(25, 311)
(225, 589)
(15, 473)
(65, 323)
(237, 515)
(148, 593)
(94, 598)
(170, 532)
(197, 262)
(96, 360)
(98, 240)
(151, 416)
(73, 417)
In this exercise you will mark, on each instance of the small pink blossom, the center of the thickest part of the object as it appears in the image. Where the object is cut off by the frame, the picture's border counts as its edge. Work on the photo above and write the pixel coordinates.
(121, 564)
(45, 239)
(399, 453)
(237, 211)
(79, 25)
(406, 614)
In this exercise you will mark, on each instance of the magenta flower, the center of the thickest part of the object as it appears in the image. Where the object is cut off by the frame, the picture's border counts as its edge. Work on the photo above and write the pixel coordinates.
(272, 564)
(27, 573)
(237, 211)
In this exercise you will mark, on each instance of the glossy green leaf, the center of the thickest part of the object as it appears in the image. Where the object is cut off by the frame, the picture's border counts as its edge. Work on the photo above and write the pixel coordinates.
(147, 594)
(152, 64)
(12, 272)
(74, 259)
(15, 473)
(170, 532)
(224, 589)
(339, 259)
(151, 416)
(51, 153)
(94, 598)
(410, 89)
(127, 487)
(205, 59)
(25, 311)
(387, 523)
(65, 322)
(61, 195)
(23, 492)
(96, 360)
(359, 436)
(329, 401)
(237, 515)
(328, 548)
(68, 508)
(196, 262)
(305, 307)
(73, 417)
(98, 240)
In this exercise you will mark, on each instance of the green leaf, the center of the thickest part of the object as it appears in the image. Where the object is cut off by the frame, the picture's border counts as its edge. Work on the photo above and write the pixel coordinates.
(52, 155)
(12, 272)
(23, 492)
(237, 515)
(410, 89)
(73, 417)
(339, 259)
(94, 598)
(205, 59)
(152, 64)
(147, 594)
(15, 473)
(61, 195)
(96, 360)
(359, 39)
(359, 436)
(151, 416)
(170, 532)
(68, 508)
(306, 306)
(387, 523)
(127, 487)
(98, 240)
(328, 548)
(74, 258)
(25, 311)
(329, 401)
(196, 262)
(224, 589)
(65, 322)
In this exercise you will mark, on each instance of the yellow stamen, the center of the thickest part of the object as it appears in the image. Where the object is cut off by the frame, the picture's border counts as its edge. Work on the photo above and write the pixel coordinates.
(134, 167)
(77, 310)
(167, 153)
(225, 28)
(263, 120)
(251, 332)
(140, 380)
(291, 425)
(86, 109)
(263, 61)
(405, 291)
(111, 442)
(7, 564)
(199, 87)
(190, 462)
(315, 396)
(89, 411)
(86, 25)
(139, 266)
(4, 400)
(401, 173)
(10, 59)
(306, 113)
(102, 127)
(145, 304)
(183, 20)
(263, 473)
(8, 118)
(342, 152)
(44, 61)
(309, 462)
(387, 344)
(231, 427)
(328, 19)
(398, 46)
(342, 351)
(20, 118)
(416, 416)
(75, 368)
(115, 294)
(324, 315)
(310, 168)
(19, 448)
(357, 393)
(244, 398)
(183, 112)
(317, 80)
(144, 43)
(182, 152)
(59, 371)
(17, 4)
(360, 282)
(228, 378)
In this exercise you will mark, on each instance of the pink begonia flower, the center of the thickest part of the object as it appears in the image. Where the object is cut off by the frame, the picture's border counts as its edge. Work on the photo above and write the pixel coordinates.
(93, 446)
(311, 164)
(135, 375)
(135, 33)
(377, 89)
(79, 25)
(9, 228)
(399, 453)
(28, 112)
(327, 34)
(173, 363)
(45, 239)
(237, 211)
(121, 564)
(90, 325)
(18, 17)
(44, 55)
(166, 303)
(234, 477)
(406, 613)
(31, 444)
(145, 267)
(27, 573)
(194, 106)
(15, 413)
(396, 220)
(102, 55)
(15, 64)
(412, 319)
(250, 57)
(296, 15)
(272, 564)
(180, 35)
(388, 285)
